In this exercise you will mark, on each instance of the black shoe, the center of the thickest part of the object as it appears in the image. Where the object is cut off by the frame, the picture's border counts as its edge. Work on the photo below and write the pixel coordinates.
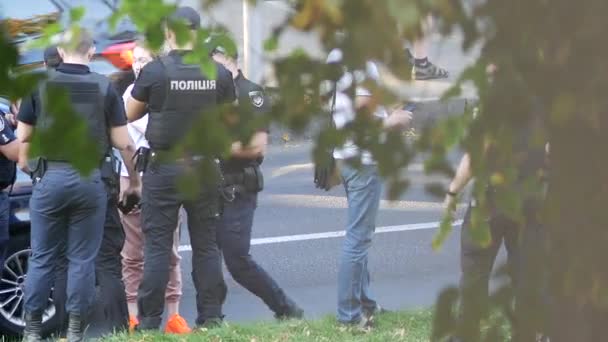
(428, 71)
(75, 328)
(365, 324)
(370, 314)
(210, 323)
(33, 327)
(293, 311)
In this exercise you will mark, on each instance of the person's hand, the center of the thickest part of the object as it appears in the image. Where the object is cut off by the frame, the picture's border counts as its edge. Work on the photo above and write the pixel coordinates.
(132, 191)
(12, 119)
(449, 203)
(399, 118)
(130, 199)
(23, 166)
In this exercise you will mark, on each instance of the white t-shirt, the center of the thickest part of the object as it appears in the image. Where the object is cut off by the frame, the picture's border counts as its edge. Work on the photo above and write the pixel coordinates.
(344, 110)
(137, 131)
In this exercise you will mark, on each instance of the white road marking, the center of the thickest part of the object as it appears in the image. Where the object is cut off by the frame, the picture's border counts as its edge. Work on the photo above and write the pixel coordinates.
(336, 234)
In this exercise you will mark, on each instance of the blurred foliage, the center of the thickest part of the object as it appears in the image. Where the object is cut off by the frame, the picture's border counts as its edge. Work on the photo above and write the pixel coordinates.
(549, 85)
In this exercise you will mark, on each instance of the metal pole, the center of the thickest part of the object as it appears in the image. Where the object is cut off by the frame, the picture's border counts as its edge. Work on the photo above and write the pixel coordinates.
(246, 39)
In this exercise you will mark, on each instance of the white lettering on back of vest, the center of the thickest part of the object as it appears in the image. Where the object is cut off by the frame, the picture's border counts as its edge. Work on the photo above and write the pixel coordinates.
(193, 85)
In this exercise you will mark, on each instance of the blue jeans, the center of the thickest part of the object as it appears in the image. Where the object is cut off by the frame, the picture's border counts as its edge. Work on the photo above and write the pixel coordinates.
(67, 213)
(363, 188)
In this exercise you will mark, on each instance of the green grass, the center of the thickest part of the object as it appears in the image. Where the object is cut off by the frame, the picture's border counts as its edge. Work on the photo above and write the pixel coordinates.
(399, 326)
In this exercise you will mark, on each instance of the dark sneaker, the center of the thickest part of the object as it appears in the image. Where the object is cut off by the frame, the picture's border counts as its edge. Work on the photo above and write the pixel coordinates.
(428, 71)
(370, 314)
(211, 323)
(365, 324)
(293, 312)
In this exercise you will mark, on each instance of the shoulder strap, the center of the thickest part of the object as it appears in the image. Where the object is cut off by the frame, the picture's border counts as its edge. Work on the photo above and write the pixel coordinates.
(333, 105)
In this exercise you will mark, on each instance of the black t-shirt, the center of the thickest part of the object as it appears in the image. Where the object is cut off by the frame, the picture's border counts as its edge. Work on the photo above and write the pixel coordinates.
(252, 101)
(114, 108)
(151, 85)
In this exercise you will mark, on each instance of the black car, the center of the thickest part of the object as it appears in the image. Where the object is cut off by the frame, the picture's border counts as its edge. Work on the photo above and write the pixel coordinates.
(25, 20)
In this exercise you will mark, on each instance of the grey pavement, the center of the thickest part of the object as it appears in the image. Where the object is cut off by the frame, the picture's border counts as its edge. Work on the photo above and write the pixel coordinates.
(406, 272)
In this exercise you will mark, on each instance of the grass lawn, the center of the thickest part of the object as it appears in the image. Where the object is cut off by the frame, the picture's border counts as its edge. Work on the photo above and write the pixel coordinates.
(398, 326)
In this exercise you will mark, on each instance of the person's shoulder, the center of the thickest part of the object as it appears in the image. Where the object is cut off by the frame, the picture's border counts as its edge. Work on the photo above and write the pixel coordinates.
(154, 67)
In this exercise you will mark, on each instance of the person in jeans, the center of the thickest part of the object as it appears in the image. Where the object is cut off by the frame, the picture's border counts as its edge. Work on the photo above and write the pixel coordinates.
(133, 249)
(363, 188)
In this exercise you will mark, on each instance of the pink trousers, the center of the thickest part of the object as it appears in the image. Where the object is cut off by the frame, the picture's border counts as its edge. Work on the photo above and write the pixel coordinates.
(133, 256)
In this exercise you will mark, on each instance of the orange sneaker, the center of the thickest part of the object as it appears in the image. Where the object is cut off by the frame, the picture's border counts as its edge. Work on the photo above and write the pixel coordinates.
(133, 322)
(177, 325)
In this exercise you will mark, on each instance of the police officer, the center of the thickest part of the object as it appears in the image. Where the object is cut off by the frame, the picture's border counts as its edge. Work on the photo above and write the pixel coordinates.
(176, 95)
(244, 180)
(9, 153)
(67, 209)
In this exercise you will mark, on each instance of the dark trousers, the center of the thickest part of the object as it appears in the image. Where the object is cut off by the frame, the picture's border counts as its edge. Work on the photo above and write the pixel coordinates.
(110, 308)
(234, 238)
(476, 262)
(5, 206)
(525, 245)
(161, 201)
(67, 214)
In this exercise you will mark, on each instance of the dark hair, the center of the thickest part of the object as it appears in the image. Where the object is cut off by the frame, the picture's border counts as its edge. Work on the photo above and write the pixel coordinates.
(79, 44)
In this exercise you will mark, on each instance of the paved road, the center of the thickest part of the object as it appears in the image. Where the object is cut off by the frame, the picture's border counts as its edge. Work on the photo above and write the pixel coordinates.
(406, 272)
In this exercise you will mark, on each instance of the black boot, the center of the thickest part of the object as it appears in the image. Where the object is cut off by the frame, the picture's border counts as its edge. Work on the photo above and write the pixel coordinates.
(75, 328)
(33, 327)
(290, 311)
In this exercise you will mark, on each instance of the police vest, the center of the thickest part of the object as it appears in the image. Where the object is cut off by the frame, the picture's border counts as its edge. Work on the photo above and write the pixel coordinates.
(189, 95)
(87, 93)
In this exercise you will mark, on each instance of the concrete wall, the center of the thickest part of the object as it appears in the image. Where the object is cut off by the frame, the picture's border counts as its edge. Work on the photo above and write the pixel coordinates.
(260, 21)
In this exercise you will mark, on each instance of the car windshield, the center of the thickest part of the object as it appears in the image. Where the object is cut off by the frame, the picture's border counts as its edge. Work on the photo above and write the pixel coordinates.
(28, 17)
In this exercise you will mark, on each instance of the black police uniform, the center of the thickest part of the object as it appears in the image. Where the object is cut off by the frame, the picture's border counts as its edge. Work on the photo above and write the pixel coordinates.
(244, 178)
(67, 210)
(177, 95)
(522, 241)
(7, 178)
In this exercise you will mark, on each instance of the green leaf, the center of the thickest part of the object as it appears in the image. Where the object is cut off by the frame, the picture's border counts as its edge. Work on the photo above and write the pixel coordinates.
(76, 13)
(445, 228)
(271, 44)
(209, 68)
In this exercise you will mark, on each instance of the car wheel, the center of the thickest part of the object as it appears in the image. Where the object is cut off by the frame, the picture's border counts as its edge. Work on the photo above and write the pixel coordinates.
(12, 314)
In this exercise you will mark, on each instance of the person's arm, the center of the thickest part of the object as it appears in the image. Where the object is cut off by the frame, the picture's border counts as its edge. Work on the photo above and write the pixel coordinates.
(120, 138)
(24, 134)
(136, 105)
(461, 179)
(255, 149)
(125, 145)
(135, 109)
(225, 85)
(26, 120)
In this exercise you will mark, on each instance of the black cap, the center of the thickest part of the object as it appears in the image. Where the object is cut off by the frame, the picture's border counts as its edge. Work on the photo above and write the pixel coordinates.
(51, 57)
(189, 15)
